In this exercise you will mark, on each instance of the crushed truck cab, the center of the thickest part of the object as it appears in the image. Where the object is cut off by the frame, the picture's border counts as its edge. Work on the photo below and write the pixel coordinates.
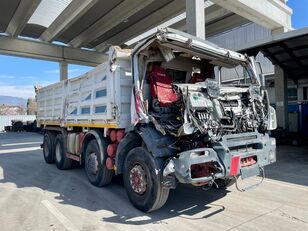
(220, 123)
(175, 109)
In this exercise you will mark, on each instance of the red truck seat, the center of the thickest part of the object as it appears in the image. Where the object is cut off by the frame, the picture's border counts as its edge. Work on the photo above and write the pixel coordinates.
(161, 87)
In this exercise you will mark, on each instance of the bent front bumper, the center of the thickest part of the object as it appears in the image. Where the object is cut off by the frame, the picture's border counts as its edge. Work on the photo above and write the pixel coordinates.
(225, 159)
(185, 161)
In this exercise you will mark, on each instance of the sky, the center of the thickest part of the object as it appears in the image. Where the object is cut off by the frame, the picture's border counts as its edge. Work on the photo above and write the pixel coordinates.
(300, 13)
(19, 75)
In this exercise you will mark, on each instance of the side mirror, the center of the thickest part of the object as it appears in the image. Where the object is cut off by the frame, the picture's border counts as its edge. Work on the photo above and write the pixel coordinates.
(272, 120)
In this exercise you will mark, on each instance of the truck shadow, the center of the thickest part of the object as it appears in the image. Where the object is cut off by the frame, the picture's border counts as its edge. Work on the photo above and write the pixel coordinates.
(28, 171)
(186, 201)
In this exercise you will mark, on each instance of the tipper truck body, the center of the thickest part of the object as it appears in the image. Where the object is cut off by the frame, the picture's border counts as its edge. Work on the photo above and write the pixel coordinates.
(175, 109)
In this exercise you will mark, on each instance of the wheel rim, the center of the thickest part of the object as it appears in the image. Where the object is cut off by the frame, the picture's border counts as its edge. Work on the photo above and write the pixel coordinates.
(58, 152)
(92, 163)
(137, 179)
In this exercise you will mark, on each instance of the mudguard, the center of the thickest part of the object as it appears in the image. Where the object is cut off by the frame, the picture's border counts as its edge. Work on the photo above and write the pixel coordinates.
(99, 137)
(130, 141)
(158, 144)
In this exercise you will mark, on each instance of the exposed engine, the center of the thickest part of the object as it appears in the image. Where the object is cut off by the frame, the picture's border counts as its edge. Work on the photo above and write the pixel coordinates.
(192, 105)
(210, 111)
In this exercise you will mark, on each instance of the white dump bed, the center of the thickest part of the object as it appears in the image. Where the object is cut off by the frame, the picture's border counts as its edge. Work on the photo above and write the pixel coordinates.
(99, 98)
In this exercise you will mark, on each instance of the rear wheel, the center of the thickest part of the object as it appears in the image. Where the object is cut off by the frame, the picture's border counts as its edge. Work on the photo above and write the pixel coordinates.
(48, 147)
(95, 166)
(142, 181)
(61, 160)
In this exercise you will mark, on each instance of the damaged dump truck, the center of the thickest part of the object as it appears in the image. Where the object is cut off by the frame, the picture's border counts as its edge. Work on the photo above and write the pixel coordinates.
(176, 109)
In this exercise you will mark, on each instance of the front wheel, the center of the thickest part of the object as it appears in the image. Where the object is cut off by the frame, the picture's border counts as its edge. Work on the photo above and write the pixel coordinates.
(142, 180)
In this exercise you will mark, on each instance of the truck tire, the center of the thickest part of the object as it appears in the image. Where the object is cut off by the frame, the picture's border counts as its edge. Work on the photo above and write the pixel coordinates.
(225, 182)
(142, 181)
(48, 147)
(62, 162)
(95, 166)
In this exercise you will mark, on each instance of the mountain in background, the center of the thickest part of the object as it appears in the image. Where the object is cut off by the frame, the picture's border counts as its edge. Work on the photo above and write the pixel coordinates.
(16, 101)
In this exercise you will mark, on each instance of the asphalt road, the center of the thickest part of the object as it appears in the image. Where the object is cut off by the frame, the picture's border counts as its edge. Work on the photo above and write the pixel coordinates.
(38, 196)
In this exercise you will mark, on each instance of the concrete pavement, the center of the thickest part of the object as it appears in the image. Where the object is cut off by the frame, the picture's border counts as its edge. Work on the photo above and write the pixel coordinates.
(38, 196)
